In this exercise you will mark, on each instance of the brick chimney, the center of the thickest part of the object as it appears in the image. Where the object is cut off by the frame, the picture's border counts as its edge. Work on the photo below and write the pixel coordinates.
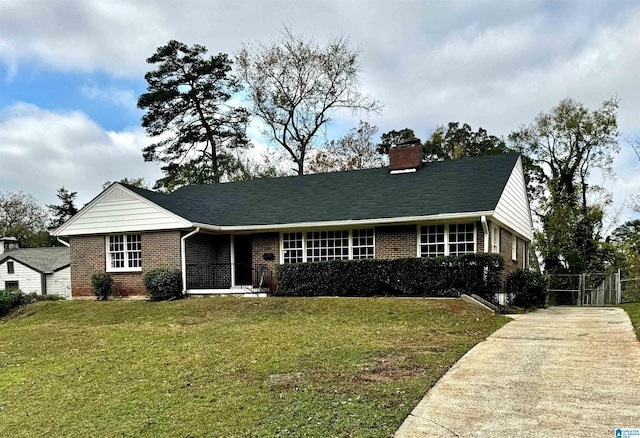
(7, 244)
(405, 156)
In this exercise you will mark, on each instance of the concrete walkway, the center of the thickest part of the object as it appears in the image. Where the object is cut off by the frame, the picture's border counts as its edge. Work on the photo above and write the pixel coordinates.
(559, 372)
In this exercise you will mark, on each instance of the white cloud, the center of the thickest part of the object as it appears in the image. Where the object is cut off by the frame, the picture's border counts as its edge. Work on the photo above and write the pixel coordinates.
(113, 95)
(43, 150)
(489, 64)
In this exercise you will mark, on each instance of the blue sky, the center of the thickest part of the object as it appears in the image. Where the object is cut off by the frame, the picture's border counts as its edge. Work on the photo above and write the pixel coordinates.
(71, 72)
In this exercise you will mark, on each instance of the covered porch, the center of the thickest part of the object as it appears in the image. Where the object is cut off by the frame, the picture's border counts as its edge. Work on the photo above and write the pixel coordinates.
(227, 264)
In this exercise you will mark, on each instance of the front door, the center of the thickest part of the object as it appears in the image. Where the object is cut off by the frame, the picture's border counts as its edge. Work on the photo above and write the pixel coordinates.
(242, 262)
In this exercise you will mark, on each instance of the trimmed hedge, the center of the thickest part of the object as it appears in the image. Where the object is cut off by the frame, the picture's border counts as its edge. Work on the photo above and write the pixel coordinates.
(528, 288)
(410, 277)
(163, 284)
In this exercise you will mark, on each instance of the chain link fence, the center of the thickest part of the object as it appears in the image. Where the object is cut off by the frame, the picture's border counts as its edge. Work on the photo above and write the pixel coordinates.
(630, 290)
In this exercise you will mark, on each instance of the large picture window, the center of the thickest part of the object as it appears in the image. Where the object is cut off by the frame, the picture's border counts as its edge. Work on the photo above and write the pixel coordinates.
(443, 240)
(317, 246)
(124, 252)
(327, 245)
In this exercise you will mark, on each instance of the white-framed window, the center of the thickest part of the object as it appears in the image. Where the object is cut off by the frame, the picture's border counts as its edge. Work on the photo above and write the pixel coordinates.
(316, 246)
(444, 240)
(292, 248)
(432, 241)
(124, 252)
(462, 239)
(327, 245)
(514, 247)
(495, 239)
(10, 268)
(363, 244)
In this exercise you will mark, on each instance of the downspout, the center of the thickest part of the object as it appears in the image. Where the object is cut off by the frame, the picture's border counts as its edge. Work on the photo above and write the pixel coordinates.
(485, 228)
(63, 242)
(183, 257)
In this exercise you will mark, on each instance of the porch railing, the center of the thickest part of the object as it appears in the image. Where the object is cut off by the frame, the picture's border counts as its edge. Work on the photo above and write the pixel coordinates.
(218, 276)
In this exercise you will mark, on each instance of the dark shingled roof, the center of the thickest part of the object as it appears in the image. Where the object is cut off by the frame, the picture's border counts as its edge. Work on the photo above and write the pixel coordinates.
(44, 260)
(447, 187)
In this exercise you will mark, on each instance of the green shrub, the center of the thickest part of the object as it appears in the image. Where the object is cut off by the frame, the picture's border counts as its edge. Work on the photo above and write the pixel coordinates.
(12, 298)
(52, 297)
(101, 283)
(527, 288)
(163, 284)
(440, 276)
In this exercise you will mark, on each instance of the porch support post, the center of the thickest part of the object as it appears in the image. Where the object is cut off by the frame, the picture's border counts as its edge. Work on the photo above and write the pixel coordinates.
(618, 287)
(485, 228)
(183, 257)
(232, 259)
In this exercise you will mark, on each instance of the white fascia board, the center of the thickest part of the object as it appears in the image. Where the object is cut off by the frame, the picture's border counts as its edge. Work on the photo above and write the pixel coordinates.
(60, 231)
(345, 223)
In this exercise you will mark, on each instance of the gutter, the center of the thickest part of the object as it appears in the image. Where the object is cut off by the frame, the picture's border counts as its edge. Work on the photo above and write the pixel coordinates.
(485, 228)
(183, 257)
(63, 242)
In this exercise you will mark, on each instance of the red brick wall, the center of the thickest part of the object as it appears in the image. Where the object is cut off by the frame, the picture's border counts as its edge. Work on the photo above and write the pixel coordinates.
(480, 238)
(396, 242)
(266, 243)
(506, 239)
(88, 256)
(405, 157)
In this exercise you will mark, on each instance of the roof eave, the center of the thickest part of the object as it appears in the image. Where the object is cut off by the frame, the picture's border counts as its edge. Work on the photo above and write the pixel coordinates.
(344, 223)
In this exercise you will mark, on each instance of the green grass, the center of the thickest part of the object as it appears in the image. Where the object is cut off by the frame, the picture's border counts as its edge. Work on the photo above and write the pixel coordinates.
(227, 366)
(633, 310)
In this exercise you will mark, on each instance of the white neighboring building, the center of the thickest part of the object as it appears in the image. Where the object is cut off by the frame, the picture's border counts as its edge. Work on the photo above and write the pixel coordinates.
(45, 271)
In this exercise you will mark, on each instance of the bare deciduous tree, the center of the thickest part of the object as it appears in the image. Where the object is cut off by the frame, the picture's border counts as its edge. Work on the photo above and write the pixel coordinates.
(354, 151)
(295, 84)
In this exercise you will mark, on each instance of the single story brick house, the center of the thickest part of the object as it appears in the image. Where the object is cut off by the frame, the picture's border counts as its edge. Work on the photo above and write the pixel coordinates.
(230, 237)
(44, 271)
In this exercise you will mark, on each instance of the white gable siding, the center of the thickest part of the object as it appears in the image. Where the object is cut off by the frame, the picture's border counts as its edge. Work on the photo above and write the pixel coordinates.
(513, 207)
(27, 278)
(118, 210)
(59, 283)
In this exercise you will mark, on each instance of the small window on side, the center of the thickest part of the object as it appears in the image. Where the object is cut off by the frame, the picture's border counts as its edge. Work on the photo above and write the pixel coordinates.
(10, 268)
(11, 285)
(514, 248)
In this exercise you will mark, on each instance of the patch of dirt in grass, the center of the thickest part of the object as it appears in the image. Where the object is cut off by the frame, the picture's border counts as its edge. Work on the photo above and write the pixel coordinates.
(284, 380)
(390, 368)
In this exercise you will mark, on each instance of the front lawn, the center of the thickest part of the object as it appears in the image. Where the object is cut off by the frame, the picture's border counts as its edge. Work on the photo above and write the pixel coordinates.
(227, 366)
(633, 310)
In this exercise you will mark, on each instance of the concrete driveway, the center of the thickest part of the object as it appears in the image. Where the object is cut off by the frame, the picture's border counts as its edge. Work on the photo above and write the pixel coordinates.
(559, 372)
